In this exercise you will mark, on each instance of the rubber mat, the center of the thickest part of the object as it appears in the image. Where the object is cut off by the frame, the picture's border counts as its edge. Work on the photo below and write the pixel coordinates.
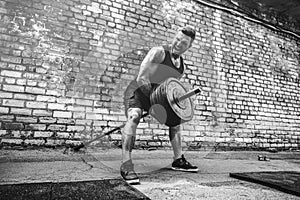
(285, 181)
(98, 189)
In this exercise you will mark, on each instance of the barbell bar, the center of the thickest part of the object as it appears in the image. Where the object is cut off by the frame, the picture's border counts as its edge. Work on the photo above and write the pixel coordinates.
(177, 100)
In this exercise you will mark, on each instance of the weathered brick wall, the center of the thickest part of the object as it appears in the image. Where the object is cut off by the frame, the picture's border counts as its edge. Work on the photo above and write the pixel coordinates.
(65, 64)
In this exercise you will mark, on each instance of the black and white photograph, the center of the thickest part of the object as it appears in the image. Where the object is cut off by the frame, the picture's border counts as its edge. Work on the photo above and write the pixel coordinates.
(149, 100)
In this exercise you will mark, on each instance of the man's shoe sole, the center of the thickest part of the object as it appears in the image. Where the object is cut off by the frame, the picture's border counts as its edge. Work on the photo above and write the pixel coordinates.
(185, 170)
(133, 182)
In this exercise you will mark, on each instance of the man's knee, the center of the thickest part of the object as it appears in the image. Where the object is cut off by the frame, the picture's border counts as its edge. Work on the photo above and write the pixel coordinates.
(134, 115)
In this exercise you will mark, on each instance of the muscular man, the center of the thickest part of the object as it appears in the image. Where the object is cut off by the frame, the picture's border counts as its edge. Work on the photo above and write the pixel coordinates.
(160, 63)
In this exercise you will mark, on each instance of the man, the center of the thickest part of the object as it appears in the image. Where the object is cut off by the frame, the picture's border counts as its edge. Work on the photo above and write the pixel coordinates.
(159, 64)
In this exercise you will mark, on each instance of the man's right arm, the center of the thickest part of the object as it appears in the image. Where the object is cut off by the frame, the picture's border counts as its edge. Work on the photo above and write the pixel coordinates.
(149, 65)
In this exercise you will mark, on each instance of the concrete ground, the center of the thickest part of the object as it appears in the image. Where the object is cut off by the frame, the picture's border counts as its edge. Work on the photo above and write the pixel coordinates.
(157, 180)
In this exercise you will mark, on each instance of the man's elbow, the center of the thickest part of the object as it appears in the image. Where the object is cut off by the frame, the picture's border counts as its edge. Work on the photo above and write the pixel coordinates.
(142, 80)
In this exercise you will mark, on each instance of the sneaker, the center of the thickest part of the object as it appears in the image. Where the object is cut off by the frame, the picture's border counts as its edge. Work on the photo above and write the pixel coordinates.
(128, 173)
(181, 164)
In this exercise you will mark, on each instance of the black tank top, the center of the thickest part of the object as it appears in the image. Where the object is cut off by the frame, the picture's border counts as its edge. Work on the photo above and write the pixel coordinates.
(167, 69)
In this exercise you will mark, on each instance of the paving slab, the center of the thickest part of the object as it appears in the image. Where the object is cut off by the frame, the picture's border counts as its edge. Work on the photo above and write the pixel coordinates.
(288, 182)
(158, 181)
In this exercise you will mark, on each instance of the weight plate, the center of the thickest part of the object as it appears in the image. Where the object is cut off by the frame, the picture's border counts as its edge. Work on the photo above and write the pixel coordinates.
(167, 95)
(184, 108)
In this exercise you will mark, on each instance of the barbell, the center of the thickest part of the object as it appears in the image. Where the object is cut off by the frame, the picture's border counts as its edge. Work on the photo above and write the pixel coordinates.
(170, 105)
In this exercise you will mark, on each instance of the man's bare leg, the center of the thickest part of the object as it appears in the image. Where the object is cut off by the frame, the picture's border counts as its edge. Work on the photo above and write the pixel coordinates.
(179, 163)
(128, 139)
(129, 132)
(175, 139)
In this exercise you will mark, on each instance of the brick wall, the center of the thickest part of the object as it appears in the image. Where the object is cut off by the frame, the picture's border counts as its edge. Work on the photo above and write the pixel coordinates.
(65, 64)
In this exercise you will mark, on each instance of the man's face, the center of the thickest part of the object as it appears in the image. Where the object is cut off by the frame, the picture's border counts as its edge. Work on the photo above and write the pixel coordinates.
(181, 43)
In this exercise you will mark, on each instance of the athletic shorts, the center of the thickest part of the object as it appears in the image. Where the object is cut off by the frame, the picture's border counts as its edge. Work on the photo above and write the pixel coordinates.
(135, 98)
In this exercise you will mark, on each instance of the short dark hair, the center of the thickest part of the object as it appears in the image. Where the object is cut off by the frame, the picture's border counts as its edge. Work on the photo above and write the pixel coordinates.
(189, 31)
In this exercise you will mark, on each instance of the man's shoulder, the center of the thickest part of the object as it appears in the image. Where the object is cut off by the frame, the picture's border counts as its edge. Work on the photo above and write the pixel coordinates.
(156, 54)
